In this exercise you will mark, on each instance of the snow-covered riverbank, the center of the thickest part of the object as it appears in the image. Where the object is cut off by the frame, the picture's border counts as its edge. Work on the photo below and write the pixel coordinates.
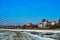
(41, 34)
(9, 35)
(44, 31)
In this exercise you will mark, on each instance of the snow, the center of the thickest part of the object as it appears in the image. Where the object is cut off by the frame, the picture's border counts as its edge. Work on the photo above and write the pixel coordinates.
(24, 35)
(38, 37)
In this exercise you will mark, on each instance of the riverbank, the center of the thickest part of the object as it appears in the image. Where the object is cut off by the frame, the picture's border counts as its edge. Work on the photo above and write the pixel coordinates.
(22, 30)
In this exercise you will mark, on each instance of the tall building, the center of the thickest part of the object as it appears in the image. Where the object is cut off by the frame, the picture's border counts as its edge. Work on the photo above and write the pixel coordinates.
(44, 22)
(59, 23)
(5, 21)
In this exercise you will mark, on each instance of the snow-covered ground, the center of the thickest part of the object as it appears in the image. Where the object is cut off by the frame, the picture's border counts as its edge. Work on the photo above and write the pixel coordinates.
(36, 37)
(16, 34)
(20, 36)
(43, 31)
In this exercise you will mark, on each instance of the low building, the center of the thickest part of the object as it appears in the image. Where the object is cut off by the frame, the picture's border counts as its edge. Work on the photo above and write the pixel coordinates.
(40, 25)
(30, 24)
(51, 24)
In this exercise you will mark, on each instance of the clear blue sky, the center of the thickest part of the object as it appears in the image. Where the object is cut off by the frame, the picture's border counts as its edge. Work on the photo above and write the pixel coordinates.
(25, 11)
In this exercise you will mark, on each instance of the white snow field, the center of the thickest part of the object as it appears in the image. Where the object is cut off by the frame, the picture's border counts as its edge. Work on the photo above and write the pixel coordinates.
(36, 37)
(14, 35)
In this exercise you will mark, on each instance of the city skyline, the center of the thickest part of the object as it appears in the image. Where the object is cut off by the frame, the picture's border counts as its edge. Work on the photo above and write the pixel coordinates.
(25, 11)
(5, 22)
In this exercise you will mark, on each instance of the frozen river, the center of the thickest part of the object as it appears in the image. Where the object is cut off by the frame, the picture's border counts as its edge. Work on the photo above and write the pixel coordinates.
(14, 35)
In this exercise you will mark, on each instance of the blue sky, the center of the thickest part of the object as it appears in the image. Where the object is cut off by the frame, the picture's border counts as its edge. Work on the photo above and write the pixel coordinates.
(24, 11)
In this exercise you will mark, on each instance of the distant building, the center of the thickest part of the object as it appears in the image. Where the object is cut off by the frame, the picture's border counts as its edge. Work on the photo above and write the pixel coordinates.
(30, 24)
(59, 23)
(53, 23)
(5, 22)
(44, 24)
(40, 25)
